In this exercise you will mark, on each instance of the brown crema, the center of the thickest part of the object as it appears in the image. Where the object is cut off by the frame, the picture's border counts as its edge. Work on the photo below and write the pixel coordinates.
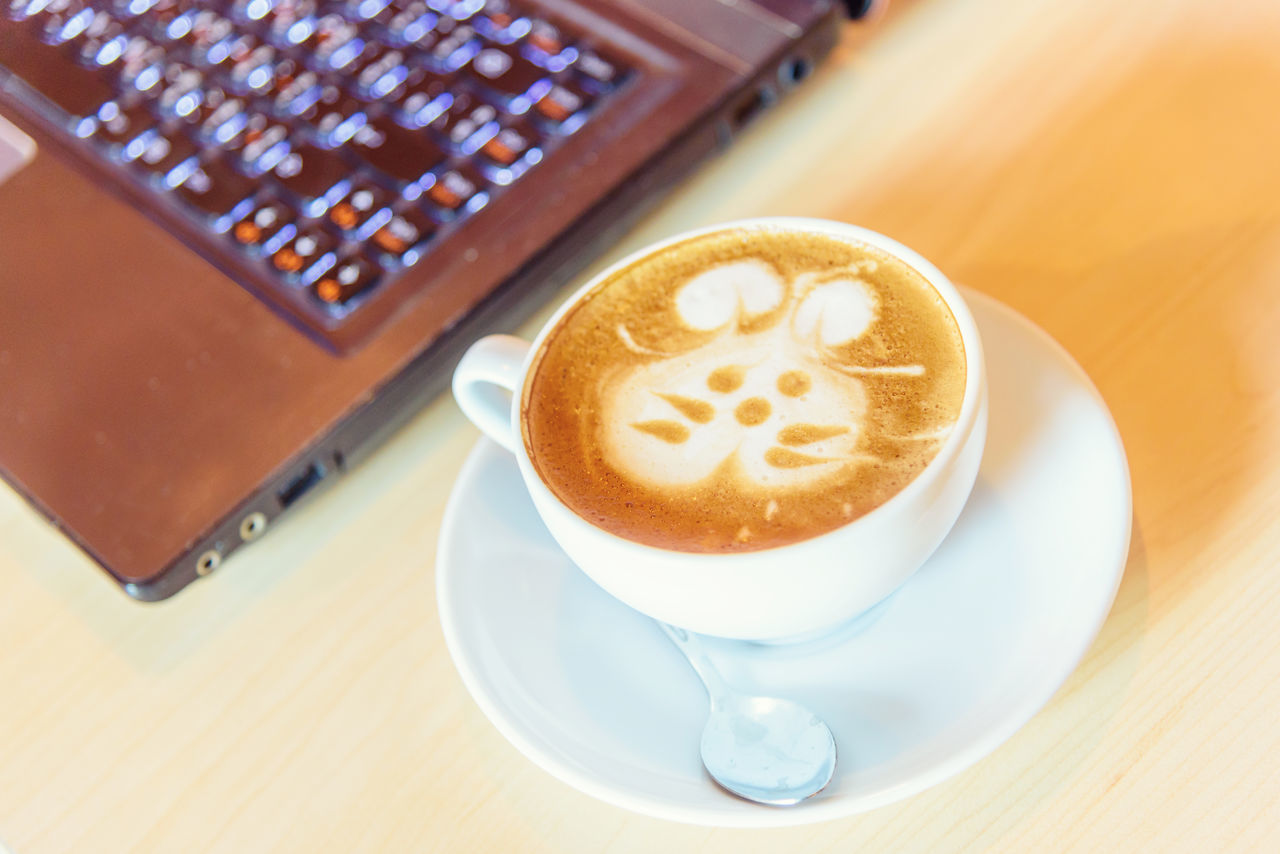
(761, 426)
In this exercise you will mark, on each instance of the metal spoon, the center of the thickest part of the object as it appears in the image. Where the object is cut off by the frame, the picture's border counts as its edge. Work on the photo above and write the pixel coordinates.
(764, 749)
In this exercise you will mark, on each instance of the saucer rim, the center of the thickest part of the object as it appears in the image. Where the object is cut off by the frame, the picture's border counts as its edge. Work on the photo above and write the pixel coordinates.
(996, 733)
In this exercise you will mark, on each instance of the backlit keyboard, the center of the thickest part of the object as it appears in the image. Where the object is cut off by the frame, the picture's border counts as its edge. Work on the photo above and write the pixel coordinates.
(332, 144)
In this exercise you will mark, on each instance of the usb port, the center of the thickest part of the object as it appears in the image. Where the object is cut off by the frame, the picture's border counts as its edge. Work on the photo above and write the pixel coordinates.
(301, 485)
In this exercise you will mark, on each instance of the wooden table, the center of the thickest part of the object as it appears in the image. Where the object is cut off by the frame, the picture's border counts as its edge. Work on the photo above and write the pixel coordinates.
(1112, 170)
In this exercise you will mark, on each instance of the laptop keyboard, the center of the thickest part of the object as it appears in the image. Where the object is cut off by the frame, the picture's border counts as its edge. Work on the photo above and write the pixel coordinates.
(332, 144)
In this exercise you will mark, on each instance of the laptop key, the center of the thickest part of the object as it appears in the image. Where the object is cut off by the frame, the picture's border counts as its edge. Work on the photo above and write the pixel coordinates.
(228, 53)
(336, 117)
(181, 93)
(404, 155)
(501, 23)
(347, 278)
(101, 43)
(103, 49)
(379, 11)
(599, 72)
(264, 224)
(549, 47)
(218, 191)
(310, 253)
(120, 122)
(468, 124)
(295, 91)
(255, 71)
(462, 10)
(317, 177)
(547, 38)
(457, 191)
(262, 143)
(58, 23)
(407, 23)
(509, 154)
(382, 76)
(212, 37)
(141, 65)
(424, 98)
(454, 46)
(404, 235)
(169, 156)
(362, 211)
(563, 108)
(335, 44)
(508, 146)
(291, 24)
(221, 125)
(516, 81)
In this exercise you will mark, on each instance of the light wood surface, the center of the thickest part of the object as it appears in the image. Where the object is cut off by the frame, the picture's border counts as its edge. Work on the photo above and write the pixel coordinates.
(1111, 170)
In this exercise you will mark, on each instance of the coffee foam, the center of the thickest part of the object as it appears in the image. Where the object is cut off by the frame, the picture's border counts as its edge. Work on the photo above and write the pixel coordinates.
(744, 389)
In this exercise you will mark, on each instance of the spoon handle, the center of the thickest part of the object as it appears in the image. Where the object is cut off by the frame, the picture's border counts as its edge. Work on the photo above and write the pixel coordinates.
(688, 643)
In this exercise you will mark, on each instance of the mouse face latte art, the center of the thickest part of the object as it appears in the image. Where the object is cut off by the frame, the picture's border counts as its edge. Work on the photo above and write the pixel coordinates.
(743, 390)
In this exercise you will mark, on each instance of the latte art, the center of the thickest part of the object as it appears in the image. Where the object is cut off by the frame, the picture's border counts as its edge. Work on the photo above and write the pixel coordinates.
(774, 402)
(744, 390)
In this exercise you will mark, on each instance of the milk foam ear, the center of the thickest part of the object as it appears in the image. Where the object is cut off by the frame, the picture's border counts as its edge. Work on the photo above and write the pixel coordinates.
(835, 313)
(744, 288)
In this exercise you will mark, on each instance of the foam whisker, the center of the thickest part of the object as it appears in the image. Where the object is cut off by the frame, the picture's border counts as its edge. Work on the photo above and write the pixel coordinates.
(927, 436)
(630, 343)
(881, 370)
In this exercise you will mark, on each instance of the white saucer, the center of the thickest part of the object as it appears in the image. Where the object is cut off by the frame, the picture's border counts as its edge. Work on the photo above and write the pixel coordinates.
(923, 686)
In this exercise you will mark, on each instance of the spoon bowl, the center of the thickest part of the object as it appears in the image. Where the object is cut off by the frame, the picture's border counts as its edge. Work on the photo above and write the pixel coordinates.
(768, 750)
(763, 749)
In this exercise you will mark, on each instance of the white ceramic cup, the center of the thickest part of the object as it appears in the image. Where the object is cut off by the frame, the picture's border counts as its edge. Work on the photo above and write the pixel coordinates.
(789, 591)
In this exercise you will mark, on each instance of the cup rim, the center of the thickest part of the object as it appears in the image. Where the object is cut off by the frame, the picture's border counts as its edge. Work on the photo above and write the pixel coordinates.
(966, 419)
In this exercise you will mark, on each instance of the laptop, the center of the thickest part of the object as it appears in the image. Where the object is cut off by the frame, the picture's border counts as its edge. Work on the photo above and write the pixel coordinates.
(241, 242)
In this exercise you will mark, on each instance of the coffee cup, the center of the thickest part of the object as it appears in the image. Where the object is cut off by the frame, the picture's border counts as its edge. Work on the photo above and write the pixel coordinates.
(756, 430)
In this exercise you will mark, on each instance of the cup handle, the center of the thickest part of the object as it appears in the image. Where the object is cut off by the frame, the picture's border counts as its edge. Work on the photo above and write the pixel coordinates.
(484, 382)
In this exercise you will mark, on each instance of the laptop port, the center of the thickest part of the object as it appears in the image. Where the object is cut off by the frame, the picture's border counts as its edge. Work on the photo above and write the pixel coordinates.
(253, 526)
(208, 562)
(301, 485)
(752, 107)
(793, 71)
